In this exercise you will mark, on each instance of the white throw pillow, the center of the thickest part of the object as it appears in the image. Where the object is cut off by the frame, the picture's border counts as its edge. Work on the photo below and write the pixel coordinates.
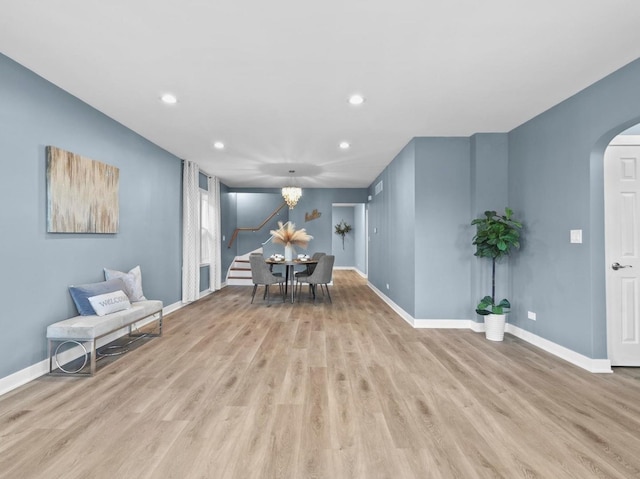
(132, 281)
(109, 302)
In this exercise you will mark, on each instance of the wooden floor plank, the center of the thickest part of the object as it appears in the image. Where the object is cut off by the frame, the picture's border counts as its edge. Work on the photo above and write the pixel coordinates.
(323, 390)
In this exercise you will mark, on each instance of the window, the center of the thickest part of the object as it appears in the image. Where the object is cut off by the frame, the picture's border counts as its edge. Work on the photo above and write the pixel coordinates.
(206, 231)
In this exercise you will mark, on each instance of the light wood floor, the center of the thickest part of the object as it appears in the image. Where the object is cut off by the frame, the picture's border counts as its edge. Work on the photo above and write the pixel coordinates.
(235, 390)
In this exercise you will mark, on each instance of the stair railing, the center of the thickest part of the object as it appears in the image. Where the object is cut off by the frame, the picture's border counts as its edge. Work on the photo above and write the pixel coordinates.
(256, 228)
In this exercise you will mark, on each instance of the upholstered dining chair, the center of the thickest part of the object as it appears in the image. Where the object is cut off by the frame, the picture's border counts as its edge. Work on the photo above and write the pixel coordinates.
(260, 275)
(310, 267)
(321, 275)
(261, 256)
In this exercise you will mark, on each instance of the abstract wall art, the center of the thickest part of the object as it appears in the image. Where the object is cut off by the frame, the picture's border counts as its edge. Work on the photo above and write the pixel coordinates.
(82, 194)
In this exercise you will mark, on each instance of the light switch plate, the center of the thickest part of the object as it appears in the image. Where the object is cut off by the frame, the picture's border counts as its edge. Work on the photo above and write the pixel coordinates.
(576, 236)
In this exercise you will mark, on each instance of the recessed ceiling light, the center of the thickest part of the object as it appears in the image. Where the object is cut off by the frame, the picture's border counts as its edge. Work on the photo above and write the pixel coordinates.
(356, 99)
(344, 145)
(169, 99)
(218, 145)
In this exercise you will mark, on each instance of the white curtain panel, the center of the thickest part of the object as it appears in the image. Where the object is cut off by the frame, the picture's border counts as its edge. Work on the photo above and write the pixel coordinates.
(215, 254)
(190, 232)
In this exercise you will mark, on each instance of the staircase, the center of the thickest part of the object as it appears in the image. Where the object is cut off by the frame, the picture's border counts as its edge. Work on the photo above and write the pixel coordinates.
(239, 273)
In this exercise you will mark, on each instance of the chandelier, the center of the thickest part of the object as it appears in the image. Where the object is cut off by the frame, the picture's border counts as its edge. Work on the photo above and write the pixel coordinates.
(291, 194)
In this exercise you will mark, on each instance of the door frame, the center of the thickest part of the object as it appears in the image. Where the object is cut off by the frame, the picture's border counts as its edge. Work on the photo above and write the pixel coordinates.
(618, 140)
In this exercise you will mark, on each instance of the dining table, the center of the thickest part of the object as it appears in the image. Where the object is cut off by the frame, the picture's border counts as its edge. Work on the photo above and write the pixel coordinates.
(290, 276)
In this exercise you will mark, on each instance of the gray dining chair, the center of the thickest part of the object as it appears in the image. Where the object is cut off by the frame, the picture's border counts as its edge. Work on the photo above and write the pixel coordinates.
(321, 275)
(260, 255)
(260, 275)
(310, 267)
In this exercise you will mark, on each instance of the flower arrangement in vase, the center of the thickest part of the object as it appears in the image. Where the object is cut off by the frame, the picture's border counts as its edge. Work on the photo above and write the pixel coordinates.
(289, 236)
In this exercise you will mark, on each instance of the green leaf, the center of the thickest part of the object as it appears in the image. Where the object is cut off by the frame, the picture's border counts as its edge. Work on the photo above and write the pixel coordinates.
(504, 304)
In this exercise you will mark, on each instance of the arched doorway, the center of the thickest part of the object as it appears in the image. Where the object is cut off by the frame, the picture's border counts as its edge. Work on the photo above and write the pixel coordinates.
(622, 247)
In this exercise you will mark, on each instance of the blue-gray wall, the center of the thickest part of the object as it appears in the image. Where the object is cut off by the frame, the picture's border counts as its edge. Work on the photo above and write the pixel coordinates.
(419, 229)
(252, 210)
(441, 241)
(322, 199)
(228, 223)
(556, 183)
(345, 254)
(489, 192)
(550, 172)
(392, 224)
(360, 237)
(38, 266)
(246, 207)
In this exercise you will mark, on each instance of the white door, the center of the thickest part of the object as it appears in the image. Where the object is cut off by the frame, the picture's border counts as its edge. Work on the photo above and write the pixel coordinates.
(622, 240)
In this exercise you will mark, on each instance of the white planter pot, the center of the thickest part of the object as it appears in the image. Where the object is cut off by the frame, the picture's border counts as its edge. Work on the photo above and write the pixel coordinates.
(494, 327)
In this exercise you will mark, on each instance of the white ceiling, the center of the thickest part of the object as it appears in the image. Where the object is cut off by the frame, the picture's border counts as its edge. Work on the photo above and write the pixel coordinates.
(271, 78)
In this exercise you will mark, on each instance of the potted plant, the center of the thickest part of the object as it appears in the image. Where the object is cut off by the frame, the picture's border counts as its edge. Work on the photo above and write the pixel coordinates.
(496, 236)
(342, 229)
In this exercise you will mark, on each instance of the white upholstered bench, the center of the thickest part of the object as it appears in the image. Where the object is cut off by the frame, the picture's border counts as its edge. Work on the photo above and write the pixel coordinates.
(83, 330)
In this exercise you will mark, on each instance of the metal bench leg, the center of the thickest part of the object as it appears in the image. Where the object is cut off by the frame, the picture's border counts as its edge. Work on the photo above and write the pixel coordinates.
(93, 357)
(50, 348)
(138, 334)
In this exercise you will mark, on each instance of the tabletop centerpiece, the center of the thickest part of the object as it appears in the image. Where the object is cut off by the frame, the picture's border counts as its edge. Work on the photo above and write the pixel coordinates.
(289, 236)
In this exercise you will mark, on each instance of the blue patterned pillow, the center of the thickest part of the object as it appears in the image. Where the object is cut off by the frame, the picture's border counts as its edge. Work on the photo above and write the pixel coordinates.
(83, 292)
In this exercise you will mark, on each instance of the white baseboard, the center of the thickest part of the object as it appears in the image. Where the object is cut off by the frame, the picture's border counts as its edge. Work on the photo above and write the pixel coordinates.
(577, 359)
(172, 308)
(401, 312)
(204, 293)
(591, 365)
(19, 378)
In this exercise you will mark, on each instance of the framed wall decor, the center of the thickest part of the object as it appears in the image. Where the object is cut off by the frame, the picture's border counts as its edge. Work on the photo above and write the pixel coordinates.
(82, 194)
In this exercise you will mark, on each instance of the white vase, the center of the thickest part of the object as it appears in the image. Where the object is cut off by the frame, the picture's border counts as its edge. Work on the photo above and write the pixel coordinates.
(288, 252)
(494, 326)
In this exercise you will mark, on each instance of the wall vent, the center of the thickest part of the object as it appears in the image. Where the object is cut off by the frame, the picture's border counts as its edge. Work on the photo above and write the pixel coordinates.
(378, 188)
